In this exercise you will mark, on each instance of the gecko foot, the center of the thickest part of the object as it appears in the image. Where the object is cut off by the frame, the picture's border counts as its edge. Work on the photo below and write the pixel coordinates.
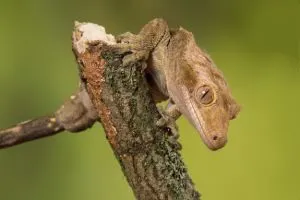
(166, 121)
(131, 56)
(135, 57)
(132, 46)
(125, 37)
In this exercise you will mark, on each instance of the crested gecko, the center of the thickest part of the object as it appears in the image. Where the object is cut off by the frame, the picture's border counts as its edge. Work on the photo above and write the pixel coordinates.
(180, 71)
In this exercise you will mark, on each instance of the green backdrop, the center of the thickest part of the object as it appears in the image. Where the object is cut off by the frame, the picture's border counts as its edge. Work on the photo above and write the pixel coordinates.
(255, 43)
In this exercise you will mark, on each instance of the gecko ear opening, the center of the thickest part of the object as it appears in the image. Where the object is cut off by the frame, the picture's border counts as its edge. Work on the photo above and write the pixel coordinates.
(234, 110)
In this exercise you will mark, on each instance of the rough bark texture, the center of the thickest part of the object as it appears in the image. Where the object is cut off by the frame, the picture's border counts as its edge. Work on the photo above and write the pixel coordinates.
(149, 159)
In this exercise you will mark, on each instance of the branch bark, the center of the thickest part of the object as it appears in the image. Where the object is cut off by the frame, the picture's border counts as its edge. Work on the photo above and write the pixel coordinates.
(148, 155)
(74, 115)
(30, 130)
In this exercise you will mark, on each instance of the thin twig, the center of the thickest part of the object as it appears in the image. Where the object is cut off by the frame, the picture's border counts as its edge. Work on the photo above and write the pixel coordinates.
(75, 115)
(29, 130)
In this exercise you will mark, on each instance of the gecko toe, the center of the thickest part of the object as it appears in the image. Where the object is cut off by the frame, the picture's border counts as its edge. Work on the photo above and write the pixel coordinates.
(126, 37)
(134, 57)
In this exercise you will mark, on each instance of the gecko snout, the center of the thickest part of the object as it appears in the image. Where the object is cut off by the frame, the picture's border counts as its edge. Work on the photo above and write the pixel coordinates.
(217, 141)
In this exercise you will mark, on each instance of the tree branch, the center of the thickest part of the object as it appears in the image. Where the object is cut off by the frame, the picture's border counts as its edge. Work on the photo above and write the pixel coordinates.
(75, 115)
(29, 130)
(148, 155)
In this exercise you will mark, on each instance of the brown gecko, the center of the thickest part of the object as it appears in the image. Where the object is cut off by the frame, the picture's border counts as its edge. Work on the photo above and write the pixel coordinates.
(181, 72)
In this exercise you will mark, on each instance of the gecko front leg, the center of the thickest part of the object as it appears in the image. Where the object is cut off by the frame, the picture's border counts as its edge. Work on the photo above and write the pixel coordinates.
(169, 115)
(168, 120)
(140, 46)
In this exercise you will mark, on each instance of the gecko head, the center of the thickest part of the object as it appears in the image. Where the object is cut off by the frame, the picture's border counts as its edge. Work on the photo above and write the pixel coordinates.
(213, 108)
(199, 90)
(210, 110)
(209, 105)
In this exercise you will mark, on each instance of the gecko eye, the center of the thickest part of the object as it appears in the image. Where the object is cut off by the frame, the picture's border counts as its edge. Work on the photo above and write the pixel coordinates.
(205, 95)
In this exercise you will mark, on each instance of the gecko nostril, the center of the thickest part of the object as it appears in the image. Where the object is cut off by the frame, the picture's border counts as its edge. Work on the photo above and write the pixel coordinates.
(215, 137)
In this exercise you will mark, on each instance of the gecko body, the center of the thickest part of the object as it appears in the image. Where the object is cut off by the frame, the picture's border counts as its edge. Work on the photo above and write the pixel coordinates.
(180, 71)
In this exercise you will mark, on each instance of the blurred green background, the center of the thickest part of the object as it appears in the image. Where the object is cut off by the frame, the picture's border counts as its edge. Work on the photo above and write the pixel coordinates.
(255, 43)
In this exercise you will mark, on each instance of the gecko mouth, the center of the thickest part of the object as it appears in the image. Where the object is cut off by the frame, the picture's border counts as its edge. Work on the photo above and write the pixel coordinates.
(213, 140)
(196, 119)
